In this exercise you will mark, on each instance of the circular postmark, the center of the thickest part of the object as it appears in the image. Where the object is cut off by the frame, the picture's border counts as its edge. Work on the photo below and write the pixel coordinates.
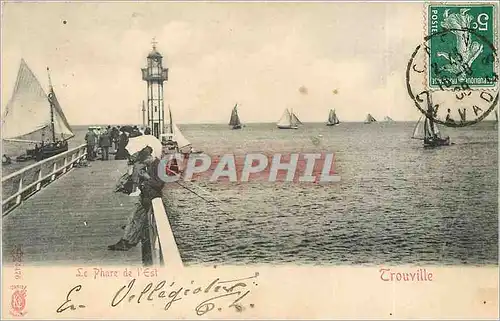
(452, 82)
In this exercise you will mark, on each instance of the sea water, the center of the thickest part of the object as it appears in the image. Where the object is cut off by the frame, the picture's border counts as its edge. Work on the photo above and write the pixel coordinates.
(396, 203)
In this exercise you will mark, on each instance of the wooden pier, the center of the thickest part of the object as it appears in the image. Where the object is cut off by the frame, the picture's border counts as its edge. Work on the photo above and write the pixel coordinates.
(72, 220)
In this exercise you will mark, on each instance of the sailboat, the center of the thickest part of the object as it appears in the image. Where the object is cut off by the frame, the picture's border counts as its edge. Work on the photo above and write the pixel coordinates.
(235, 119)
(369, 119)
(428, 131)
(288, 120)
(174, 134)
(332, 118)
(388, 119)
(32, 116)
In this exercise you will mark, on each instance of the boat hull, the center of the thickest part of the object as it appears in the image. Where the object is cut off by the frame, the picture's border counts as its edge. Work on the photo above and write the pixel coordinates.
(237, 127)
(430, 143)
(287, 127)
(331, 124)
(47, 151)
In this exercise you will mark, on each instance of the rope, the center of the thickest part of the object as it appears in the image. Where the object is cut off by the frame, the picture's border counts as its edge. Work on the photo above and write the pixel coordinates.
(187, 188)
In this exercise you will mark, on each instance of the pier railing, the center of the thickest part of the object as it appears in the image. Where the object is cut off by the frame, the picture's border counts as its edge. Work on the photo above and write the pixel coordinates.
(160, 248)
(22, 184)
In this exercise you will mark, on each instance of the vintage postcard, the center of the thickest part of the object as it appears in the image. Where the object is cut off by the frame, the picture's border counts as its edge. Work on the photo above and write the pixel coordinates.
(249, 160)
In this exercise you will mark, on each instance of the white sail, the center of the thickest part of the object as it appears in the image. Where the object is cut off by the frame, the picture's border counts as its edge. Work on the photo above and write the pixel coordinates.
(28, 113)
(432, 128)
(335, 118)
(179, 137)
(286, 119)
(370, 119)
(295, 119)
(425, 129)
(332, 118)
(417, 132)
(435, 127)
(61, 125)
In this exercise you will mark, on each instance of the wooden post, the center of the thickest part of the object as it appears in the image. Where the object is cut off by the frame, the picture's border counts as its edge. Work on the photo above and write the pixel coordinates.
(73, 156)
(65, 164)
(39, 185)
(20, 196)
(54, 168)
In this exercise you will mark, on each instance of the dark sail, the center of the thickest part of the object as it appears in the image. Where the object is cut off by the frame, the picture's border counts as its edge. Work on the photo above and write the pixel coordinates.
(235, 119)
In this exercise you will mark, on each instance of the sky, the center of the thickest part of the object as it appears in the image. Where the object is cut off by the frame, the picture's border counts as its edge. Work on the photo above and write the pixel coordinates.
(264, 56)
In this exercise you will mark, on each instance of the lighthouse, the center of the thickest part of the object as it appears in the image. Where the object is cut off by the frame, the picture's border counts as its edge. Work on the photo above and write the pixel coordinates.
(155, 75)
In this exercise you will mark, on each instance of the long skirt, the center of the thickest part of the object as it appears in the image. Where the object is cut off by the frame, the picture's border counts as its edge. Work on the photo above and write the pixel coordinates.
(136, 228)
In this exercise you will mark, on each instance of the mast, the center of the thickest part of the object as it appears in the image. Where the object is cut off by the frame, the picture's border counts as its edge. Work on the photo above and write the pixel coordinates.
(430, 111)
(50, 96)
(143, 114)
(237, 118)
(171, 122)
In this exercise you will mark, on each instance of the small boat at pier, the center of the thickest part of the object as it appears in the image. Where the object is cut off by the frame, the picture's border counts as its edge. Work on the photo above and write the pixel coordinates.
(332, 118)
(174, 140)
(288, 120)
(31, 115)
(235, 119)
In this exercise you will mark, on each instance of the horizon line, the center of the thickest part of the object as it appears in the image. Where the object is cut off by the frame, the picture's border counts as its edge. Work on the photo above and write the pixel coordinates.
(308, 122)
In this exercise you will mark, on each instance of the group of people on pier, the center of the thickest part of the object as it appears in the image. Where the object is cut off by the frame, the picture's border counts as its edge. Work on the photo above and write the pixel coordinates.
(142, 180)
(117, 136)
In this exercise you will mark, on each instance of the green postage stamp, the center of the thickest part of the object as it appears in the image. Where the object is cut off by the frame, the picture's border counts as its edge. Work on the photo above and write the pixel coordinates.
(462, 46)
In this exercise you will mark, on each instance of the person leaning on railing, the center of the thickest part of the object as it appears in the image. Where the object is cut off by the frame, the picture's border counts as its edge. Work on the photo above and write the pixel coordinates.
(136, 168)
(151, 187)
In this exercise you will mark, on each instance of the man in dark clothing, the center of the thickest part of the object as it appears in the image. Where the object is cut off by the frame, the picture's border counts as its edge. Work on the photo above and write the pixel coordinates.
(91, 139)
(121, 151)
(151, 187)
(105, 143)
(135, 132)
(114, 137)
(147, 131)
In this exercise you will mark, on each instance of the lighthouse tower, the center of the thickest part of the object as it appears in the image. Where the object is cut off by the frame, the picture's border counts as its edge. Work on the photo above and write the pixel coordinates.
(154, 74)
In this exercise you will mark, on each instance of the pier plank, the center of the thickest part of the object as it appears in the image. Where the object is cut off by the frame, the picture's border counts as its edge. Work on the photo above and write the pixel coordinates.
(72, 221)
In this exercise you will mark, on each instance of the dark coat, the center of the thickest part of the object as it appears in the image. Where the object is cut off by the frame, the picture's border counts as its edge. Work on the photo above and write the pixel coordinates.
(90, 138)
(105, 140)
(153, 187)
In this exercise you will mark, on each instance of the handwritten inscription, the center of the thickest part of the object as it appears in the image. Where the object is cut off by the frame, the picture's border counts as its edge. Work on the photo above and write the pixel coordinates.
(68, 304)
(209, 296)
(217, 290)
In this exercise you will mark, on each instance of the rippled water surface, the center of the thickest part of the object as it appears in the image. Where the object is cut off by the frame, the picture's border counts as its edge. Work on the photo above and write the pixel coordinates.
(396, 202)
